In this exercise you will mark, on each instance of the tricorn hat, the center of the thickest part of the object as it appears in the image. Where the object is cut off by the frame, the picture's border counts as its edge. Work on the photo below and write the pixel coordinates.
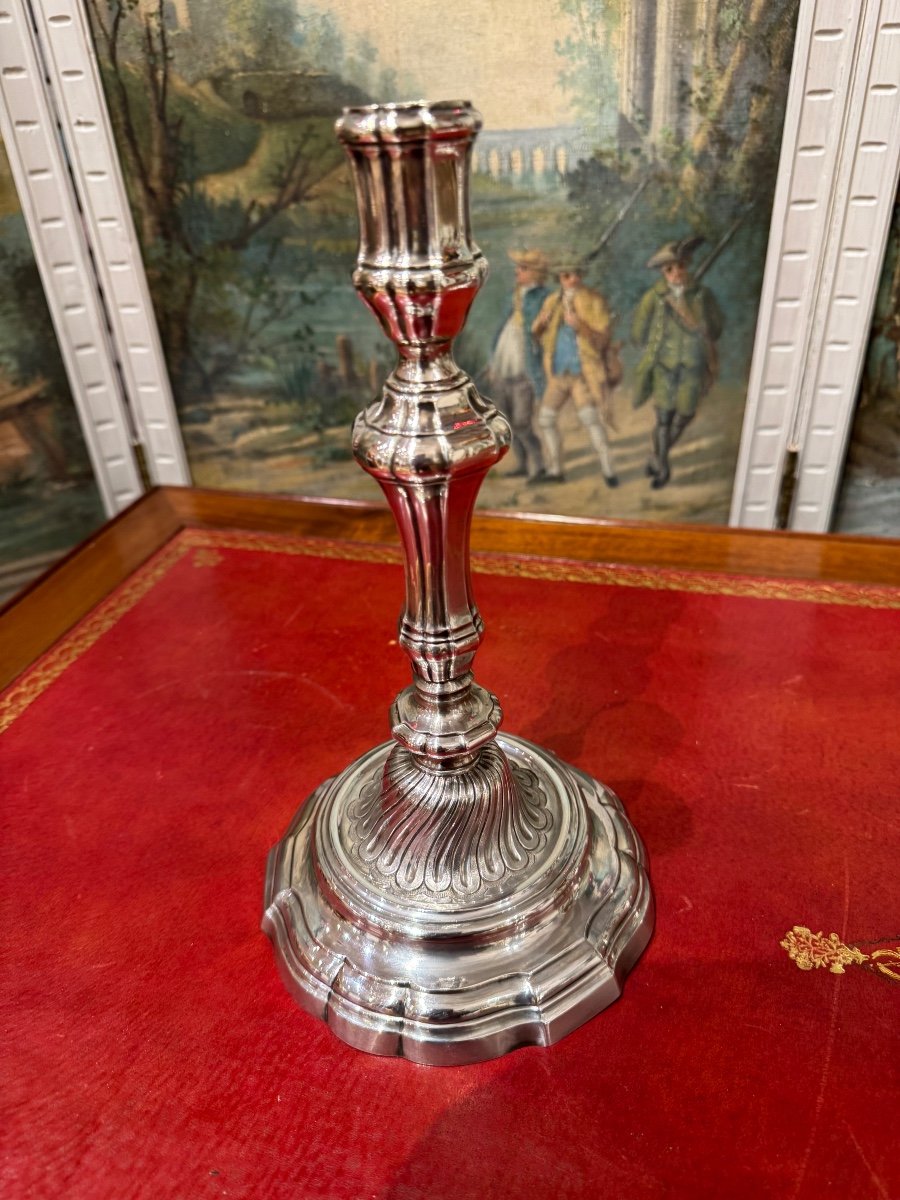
(534, 260)
(675, 252)
(568, 263)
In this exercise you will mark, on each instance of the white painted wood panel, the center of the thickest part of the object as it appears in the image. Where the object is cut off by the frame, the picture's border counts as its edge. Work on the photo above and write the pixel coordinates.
(50, 208)
(810, 157)
(837, 182)
(864, 192)
(74, 77)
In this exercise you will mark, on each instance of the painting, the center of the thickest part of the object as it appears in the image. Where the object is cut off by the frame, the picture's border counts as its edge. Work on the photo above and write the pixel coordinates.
(869, 500)
(622, 189)
(48, 498)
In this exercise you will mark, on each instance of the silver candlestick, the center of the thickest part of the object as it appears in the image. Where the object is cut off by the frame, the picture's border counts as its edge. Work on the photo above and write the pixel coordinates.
(454, 893)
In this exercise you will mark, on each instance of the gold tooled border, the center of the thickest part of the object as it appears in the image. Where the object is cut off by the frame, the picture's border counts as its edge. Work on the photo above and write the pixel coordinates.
(16, 699)
(527, 567)
(72, 645)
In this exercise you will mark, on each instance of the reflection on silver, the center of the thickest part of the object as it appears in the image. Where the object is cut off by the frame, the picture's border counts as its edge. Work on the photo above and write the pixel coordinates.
(454, 893)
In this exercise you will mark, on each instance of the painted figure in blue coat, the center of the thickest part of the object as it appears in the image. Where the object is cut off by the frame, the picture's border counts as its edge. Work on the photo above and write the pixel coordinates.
(516, 370)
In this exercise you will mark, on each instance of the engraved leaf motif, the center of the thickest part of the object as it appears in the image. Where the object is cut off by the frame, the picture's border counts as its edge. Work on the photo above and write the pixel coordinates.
(450, 834)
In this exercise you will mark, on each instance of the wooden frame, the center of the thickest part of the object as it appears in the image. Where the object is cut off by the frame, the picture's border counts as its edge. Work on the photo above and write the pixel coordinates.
(43, 613)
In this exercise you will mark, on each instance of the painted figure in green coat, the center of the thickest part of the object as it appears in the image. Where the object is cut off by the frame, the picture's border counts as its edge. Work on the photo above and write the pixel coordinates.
(677, 325)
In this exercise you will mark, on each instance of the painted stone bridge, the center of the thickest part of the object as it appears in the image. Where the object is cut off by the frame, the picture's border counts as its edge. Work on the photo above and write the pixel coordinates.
(529, 154)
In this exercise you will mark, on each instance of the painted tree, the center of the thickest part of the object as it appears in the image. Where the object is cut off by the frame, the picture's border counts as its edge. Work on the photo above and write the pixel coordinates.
(717, 69)
(588, 72)
(739, 92)
(209, 258)
(722, 83)
(880, 389)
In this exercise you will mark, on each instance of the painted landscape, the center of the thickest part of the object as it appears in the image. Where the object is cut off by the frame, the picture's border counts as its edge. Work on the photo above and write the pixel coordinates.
(48, 498)
(612, 128)
(869, 500)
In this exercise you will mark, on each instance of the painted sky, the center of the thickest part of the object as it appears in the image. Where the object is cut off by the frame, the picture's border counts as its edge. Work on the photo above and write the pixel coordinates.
(497, 53)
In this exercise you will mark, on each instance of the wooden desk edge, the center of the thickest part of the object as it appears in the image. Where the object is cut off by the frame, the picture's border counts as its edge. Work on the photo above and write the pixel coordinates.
(32, 622)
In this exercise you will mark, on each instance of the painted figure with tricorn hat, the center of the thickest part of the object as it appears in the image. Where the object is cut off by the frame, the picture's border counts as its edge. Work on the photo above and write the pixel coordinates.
(676, 325)
(515, 369)
(573, 330)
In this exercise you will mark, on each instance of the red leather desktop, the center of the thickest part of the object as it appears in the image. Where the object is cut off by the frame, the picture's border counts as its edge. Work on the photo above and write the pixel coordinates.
(152, 757)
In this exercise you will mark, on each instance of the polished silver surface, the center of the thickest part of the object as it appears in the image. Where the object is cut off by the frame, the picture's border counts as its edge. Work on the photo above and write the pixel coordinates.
(454, 893)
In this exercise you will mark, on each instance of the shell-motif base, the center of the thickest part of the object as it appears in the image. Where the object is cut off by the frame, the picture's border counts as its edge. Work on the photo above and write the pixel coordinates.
(447, 963)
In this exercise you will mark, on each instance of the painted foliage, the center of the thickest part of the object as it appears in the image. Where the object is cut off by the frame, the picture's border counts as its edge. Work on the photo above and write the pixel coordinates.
(869, 500)
(618, 134)
(48, 498)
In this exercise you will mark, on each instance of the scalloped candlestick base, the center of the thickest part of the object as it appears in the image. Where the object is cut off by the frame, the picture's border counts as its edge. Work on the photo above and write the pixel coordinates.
(464, 956)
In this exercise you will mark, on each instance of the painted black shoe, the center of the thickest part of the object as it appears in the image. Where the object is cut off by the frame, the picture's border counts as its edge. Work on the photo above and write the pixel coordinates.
(553, 477)
(661, 480)
(611, 481)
